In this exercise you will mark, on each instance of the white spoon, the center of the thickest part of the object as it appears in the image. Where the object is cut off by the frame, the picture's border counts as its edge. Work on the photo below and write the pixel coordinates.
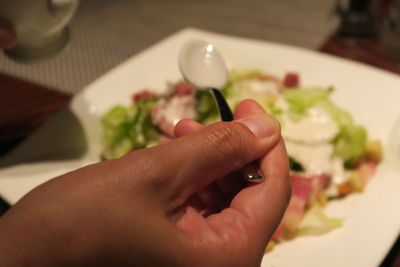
(202, 65)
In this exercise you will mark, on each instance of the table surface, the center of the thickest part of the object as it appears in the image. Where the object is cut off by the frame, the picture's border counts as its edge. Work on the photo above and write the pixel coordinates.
(104, 33)
(25, 106)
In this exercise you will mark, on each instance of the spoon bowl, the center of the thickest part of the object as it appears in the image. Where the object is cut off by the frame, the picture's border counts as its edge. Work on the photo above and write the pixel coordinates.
(202, 65)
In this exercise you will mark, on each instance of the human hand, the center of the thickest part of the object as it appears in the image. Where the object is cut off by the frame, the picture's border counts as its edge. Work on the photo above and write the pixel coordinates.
(180, 203)
(8, 36)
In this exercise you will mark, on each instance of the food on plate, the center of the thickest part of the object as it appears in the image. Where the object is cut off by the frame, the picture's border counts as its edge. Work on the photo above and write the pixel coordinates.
(330, 155)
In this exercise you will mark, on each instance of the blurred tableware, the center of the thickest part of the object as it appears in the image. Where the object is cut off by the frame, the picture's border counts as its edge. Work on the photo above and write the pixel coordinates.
(41, 26)
(8, 36)
(357, 18)
(390, 32)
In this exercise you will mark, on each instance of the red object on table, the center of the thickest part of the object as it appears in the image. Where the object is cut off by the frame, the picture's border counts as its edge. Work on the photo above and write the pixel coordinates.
(24, 106)
(366, 51)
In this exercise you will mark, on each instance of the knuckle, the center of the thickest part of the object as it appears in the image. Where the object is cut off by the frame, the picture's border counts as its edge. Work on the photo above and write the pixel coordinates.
(227, 141)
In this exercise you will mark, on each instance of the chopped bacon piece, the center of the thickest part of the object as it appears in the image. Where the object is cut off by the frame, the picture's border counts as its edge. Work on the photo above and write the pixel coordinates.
(169, 111)
(145, 94)
(318, 183)
(293, 213)
(183, 88)
(301, 186)
(366, 171)
(358, 179)
(344, 188)
(301, 190)
(291, 79)
(159, 119)
(278, 235)
(304, 193)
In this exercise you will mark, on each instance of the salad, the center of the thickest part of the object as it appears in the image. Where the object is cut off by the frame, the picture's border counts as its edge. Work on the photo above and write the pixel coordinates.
(330, 155)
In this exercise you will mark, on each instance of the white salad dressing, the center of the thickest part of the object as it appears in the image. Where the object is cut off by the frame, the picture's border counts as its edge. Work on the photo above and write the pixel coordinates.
(315, 159)
(317, 126)
(339, 173)
(308, 141)
(178, 108)
(259, 87)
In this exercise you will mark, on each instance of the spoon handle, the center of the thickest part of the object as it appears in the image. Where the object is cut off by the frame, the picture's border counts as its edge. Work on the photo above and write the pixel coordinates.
(224, 110)
(250, 172)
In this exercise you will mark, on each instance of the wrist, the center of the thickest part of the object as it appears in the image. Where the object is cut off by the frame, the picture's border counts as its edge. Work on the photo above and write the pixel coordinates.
(17, 246)
(31, 237)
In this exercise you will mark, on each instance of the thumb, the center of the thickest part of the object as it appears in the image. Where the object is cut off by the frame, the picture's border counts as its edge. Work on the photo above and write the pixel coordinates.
(188, 164)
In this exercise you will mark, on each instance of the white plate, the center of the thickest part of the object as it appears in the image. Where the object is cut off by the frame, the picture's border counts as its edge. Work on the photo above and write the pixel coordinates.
(371, 219)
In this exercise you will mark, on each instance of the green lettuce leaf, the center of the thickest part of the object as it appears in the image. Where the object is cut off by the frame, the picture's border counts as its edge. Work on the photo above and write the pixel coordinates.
(126, 128)
(236, 75)
(315, 222)
(115, 125)
(300, 100)
(350, 143)
(206, 107)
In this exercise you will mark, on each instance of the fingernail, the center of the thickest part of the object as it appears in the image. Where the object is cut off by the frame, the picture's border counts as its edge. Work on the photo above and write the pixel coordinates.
(261, 125)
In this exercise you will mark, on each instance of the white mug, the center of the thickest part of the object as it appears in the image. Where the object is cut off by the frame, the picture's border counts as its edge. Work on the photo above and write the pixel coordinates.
(41, 25)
